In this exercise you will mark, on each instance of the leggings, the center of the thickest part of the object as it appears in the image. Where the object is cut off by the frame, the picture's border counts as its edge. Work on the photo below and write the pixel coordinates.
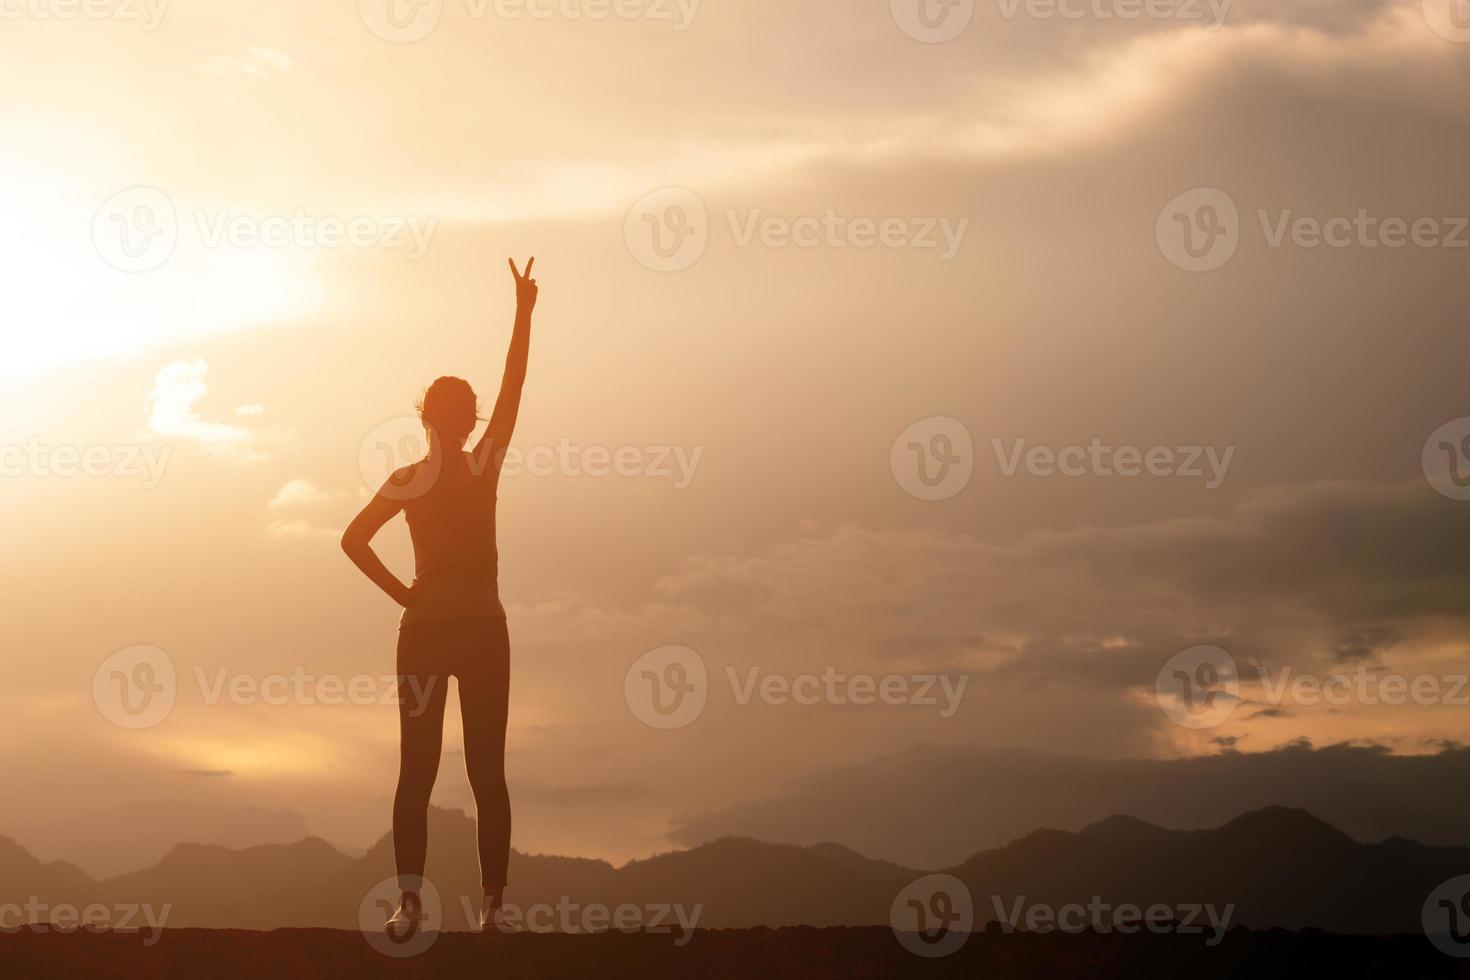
(477, 652)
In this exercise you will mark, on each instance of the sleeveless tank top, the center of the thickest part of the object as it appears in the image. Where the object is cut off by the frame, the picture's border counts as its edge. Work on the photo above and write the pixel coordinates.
(451, 519)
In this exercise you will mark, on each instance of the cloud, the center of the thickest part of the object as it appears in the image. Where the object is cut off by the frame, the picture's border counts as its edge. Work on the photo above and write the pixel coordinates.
(170, 406)
(1316, 573)
(1111, 90)
(1063, 634)
(299, 493)
(254, 61)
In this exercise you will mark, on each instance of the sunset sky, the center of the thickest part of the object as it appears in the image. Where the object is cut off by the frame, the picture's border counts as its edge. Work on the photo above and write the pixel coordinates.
(763, 383)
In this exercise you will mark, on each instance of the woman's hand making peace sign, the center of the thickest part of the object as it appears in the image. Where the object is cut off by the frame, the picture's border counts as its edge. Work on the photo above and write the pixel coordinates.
(525, 286)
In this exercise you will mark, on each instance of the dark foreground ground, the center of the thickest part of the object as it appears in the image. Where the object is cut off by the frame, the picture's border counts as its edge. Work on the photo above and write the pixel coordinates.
(763, 953)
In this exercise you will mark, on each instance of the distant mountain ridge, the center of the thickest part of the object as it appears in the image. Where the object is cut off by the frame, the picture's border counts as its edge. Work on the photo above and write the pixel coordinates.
(1276, 866)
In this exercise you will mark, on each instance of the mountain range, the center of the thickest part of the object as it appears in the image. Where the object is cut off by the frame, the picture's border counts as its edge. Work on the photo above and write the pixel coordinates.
(1278, 867)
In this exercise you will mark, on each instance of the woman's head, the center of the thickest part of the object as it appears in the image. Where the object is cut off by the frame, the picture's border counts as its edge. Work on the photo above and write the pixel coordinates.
(450, 408)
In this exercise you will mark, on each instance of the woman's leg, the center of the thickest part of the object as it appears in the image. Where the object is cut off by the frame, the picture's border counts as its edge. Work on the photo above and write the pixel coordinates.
(484, 697)
(422, 689)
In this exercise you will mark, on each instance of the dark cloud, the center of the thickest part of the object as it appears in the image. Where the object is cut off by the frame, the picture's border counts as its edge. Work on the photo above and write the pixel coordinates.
(1366, 644)
(1309, 575)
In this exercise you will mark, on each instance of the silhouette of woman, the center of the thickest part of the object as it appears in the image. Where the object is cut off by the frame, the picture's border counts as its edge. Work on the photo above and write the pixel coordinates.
(453, 624)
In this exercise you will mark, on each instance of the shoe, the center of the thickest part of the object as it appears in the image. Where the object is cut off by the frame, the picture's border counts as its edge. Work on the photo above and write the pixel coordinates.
(406, 918)
(488, 907)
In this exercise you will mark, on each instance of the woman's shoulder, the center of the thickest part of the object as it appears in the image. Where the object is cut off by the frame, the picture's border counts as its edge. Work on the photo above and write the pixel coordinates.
(404, 475)
(414, 481)
(408, 483)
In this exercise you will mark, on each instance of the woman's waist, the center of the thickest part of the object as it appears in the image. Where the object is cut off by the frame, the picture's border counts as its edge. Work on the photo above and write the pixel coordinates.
(474, 570)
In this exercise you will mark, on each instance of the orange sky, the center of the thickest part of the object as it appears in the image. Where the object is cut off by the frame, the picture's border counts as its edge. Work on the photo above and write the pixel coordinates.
(234, 388)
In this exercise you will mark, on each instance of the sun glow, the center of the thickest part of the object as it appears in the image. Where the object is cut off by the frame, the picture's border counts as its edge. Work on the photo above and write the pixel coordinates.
(303, 754)
(65, 303)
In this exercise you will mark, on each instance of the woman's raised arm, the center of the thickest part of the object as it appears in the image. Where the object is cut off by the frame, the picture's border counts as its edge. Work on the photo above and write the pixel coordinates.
(508, 405)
